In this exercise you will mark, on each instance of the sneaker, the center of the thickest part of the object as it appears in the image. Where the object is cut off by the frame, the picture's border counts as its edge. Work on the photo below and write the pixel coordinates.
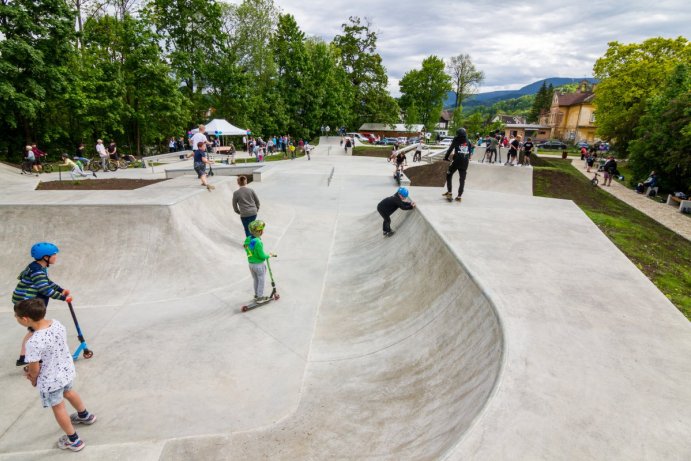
(89, 420)
(210, 187)
(263, 300)
(458, 199)
(447, 194)
(21, 362)
(65, 444)
(389, 234)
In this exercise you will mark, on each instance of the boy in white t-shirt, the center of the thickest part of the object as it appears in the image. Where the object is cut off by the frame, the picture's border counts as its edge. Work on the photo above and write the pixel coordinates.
(51, 369)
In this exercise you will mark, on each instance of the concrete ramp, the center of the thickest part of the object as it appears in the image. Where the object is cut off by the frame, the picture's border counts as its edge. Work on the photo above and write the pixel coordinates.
(405, 354)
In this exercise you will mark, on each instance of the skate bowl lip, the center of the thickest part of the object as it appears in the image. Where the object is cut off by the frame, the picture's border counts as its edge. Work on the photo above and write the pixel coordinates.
(500, 326)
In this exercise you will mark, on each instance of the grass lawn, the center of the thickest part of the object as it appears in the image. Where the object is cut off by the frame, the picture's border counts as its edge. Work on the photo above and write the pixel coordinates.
(268, 158)
(372, 151)
(662, 255)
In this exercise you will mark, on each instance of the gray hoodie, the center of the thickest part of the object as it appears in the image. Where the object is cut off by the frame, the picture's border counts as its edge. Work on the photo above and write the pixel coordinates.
(245, 202)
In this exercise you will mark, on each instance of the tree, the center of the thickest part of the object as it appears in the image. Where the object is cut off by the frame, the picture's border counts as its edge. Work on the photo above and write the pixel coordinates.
(247, 31)
(292, 67)
(191, 33)
(465, 77)
(36, 47)
(663, 137)
(629, 75)
(423, 92)
(327, 86)
(371, 101)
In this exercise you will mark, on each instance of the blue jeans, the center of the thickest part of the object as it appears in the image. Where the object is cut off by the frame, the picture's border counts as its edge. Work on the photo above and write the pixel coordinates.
(246, 222)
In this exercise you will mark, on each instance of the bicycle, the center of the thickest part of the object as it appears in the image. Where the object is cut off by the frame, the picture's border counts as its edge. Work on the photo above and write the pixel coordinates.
(95, 164)
(594, 182)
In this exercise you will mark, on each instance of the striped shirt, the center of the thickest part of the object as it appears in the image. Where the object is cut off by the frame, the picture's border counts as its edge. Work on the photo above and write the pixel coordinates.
(34, 283)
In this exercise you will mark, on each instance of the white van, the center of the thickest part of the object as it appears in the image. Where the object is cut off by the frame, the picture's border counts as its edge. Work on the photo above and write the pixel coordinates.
(357, 136)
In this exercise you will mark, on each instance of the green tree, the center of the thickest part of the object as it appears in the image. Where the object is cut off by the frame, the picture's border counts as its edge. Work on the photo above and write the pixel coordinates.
(371, 101)
(663, 136)
(329, 93)
(465, 77)
(292, 66)
(191, 31)
(248, 28)
(423, 92)
(36, 47)
(629, 75)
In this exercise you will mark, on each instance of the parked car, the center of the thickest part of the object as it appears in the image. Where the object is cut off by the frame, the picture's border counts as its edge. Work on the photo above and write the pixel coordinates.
(583, 144)
(446, 141)
(414, 140)
(402, 140)
(387, 142)
(357, 136)
(370, 137)
(553, 144)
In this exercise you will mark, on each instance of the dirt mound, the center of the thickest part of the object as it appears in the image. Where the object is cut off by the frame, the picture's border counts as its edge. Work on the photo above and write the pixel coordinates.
(98, 184)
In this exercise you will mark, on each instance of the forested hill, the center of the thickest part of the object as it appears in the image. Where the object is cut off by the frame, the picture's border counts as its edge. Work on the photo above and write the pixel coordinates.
(492, 97)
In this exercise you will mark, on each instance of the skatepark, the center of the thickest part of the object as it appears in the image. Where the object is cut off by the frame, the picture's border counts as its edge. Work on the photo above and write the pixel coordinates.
(472, 333)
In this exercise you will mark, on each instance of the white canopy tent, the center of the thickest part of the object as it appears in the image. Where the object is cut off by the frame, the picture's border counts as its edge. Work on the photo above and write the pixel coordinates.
(224, 128)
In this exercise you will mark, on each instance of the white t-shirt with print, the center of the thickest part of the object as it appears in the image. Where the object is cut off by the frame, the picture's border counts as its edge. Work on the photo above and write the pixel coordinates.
(50, 345)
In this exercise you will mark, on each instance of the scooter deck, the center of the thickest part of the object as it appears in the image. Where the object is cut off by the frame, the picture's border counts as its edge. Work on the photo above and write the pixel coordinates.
(254, 305)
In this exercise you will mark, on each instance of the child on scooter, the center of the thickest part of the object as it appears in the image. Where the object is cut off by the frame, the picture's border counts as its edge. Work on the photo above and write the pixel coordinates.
(254, 248)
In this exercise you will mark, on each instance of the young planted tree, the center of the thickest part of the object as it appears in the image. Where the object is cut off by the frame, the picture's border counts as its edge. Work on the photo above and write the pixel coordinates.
(423, 92)
(464, 76)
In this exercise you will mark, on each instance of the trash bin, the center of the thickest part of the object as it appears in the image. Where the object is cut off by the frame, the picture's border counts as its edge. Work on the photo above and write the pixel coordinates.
(564, 154)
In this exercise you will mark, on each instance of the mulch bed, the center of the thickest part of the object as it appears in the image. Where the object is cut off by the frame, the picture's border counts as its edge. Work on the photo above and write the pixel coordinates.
(98, 184)
(428, 175)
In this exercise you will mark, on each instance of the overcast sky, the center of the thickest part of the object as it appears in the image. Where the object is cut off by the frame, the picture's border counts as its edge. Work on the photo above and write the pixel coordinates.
(513, 42)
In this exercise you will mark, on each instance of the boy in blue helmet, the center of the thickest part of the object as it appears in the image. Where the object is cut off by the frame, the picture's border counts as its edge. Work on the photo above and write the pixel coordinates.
(389, 205)
(34, 283)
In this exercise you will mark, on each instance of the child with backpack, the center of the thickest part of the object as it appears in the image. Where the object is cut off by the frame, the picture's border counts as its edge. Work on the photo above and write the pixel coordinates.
(256, 257)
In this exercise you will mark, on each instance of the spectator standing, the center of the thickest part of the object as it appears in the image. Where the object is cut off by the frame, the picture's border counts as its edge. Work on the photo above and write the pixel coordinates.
(172, 145)
(113, 151)
(103, 155)
(29, 159)
(527, 151)
(39, 156)
(610, 170)
(200, 136)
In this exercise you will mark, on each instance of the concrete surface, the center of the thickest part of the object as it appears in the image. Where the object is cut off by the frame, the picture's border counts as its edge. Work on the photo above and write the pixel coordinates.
(473, 333)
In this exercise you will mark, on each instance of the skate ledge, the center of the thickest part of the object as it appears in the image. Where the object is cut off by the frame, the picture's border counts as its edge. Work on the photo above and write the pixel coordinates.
(255, 170)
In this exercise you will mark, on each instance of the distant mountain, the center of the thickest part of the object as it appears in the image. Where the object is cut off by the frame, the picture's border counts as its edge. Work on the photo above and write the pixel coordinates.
(493, 97)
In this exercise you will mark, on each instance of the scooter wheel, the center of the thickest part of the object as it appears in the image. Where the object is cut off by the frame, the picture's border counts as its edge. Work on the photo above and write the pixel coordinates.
(88, 353)
(277, 297)
(244, 308)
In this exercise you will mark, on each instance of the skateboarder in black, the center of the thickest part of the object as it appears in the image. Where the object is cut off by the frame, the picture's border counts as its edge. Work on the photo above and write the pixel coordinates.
(389, 205)
(461, 148)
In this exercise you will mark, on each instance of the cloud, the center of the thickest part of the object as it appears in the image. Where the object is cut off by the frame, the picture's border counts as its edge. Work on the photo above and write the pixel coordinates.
(513, 42)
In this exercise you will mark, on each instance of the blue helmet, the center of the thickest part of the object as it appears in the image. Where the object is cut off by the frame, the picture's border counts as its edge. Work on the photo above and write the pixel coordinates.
(43, 249)
(403, 192)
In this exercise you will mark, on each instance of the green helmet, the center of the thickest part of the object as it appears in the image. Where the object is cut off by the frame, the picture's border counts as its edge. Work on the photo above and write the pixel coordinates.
(256, 226)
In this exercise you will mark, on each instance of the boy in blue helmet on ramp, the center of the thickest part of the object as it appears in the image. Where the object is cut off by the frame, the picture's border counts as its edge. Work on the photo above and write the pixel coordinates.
(34, 283)
(389, 205)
